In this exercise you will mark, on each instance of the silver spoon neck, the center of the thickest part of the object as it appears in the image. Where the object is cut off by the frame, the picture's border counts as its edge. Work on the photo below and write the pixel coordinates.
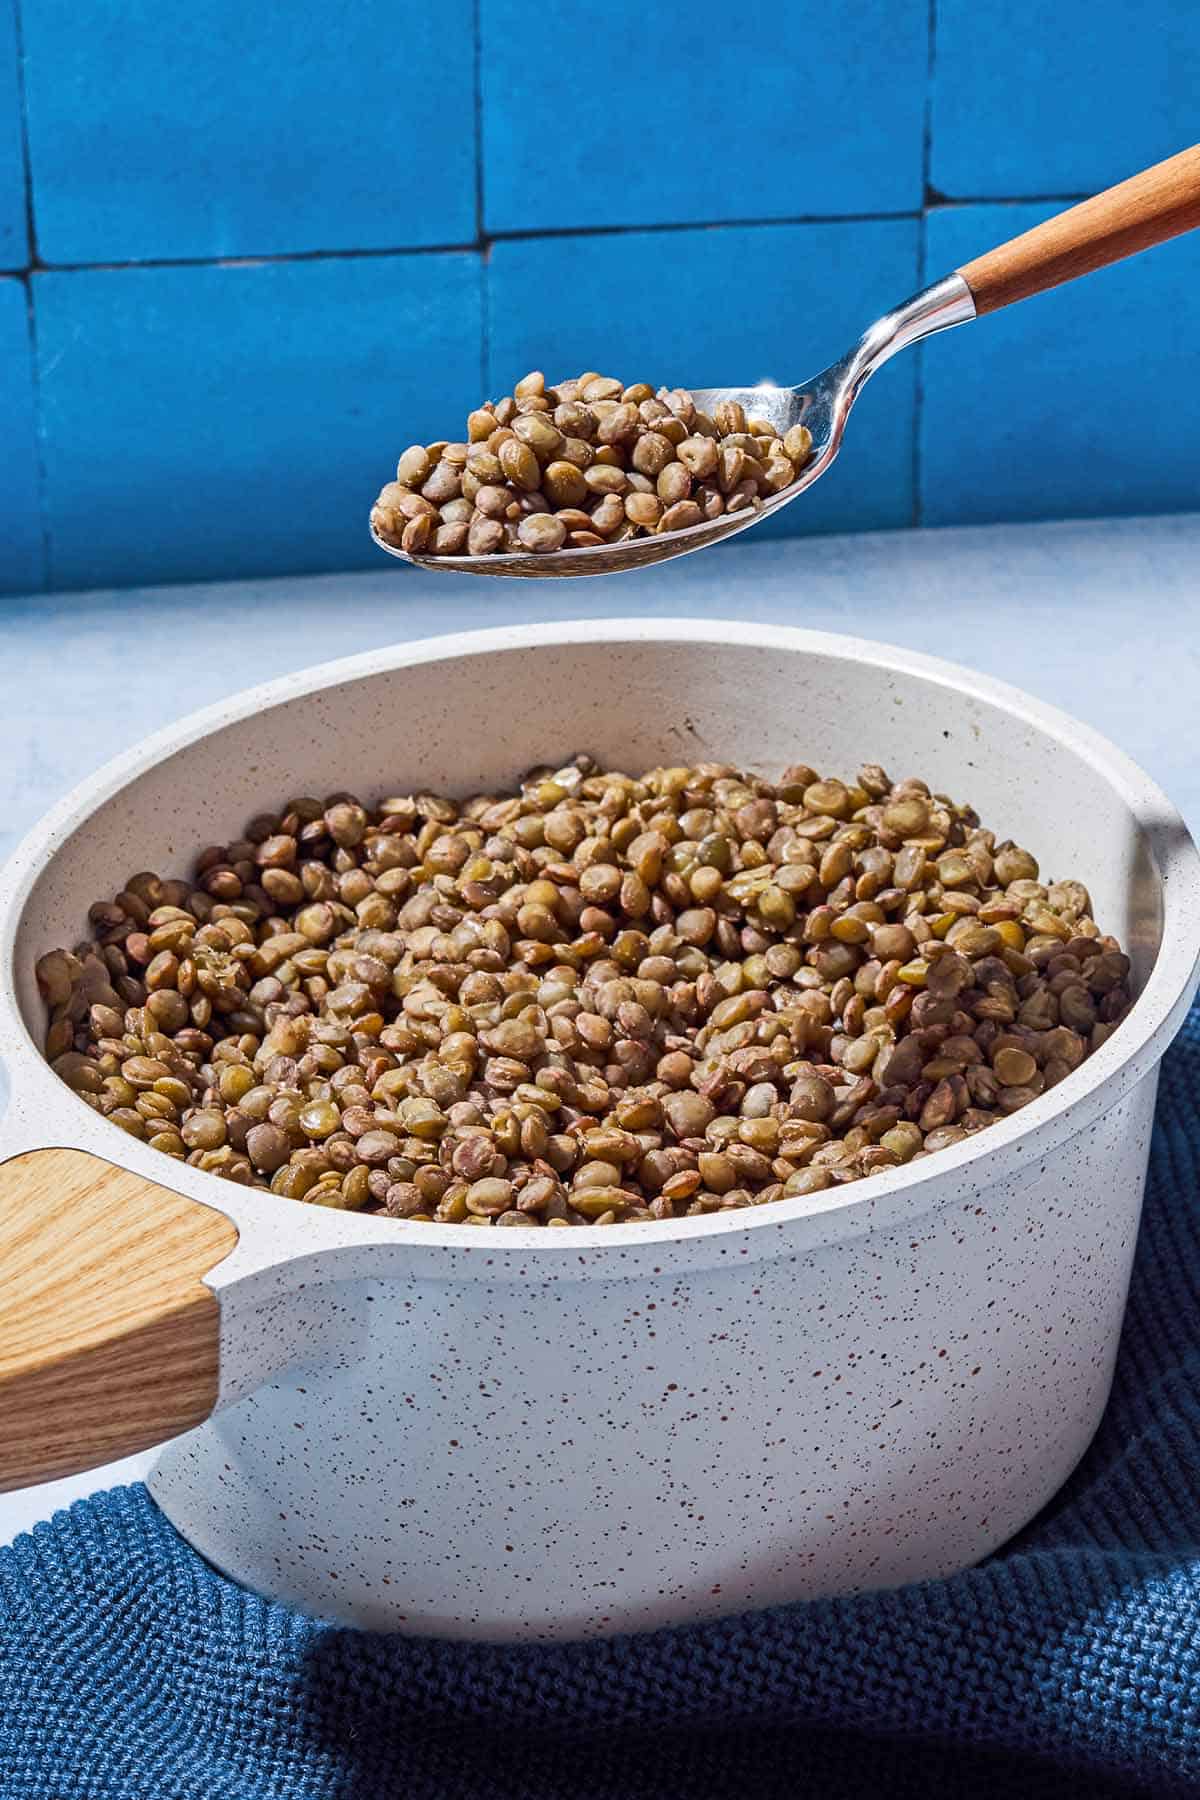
(947, 302)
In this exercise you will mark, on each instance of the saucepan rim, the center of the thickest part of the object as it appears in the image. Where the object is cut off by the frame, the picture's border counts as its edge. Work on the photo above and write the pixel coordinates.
(52, 1114)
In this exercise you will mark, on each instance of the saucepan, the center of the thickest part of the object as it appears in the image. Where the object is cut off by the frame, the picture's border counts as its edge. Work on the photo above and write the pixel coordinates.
(509, 1435)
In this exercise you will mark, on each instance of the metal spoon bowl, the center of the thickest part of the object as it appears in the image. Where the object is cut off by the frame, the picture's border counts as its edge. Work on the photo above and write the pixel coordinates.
(822, 404)
(1147, 209)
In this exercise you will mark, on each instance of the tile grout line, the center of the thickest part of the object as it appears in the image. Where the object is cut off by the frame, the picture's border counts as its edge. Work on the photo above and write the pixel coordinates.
(480, 237)
(938, 202)
(477, 104)
(39, 434)
(750, 223)
(480, 244)
(923, 257)
(484, 243)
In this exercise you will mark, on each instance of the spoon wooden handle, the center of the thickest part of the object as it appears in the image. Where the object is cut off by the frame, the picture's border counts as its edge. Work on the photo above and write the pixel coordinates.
(108, 1335)
(1149, 208)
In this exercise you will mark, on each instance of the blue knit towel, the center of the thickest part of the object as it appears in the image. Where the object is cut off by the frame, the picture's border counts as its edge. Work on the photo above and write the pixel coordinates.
(1069, 1664)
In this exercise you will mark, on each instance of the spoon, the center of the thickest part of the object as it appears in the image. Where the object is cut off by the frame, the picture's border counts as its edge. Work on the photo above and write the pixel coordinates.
(1149, 208)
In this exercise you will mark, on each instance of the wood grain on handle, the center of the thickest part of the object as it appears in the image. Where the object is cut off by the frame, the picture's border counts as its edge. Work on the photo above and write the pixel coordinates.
(108, 1336)
(1149, 208)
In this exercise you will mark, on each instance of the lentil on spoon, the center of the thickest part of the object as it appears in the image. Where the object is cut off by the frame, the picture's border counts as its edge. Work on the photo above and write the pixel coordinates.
(588, 462)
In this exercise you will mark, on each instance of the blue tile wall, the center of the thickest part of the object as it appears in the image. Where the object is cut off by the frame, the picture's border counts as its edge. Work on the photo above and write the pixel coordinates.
(654, 115)
(167, 130)
(1033, 99)
(247, 253)
(199, 422)
(1083, 401)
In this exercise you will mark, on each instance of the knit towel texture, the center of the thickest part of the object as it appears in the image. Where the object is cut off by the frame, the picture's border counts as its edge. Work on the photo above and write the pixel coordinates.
(1068, 1664)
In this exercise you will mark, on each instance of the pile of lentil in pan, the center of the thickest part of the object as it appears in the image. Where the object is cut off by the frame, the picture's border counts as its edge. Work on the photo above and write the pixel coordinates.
(600, 999)
(585, 463)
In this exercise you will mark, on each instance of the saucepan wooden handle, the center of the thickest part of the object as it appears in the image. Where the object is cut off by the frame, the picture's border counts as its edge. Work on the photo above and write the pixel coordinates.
(108, 1335)
(1149, 208)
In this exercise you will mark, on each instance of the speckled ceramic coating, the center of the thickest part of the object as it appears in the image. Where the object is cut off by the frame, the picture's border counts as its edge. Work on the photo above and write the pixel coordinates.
(549, 1434)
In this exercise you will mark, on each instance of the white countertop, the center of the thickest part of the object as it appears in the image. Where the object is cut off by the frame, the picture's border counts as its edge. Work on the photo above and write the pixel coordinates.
(1100, 617)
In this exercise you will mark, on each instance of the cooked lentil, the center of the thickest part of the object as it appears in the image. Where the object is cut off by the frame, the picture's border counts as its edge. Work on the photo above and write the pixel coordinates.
(597, 1000)
(590, 461)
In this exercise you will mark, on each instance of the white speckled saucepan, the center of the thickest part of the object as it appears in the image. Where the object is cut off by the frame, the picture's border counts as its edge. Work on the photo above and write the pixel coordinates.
(519, 1435)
